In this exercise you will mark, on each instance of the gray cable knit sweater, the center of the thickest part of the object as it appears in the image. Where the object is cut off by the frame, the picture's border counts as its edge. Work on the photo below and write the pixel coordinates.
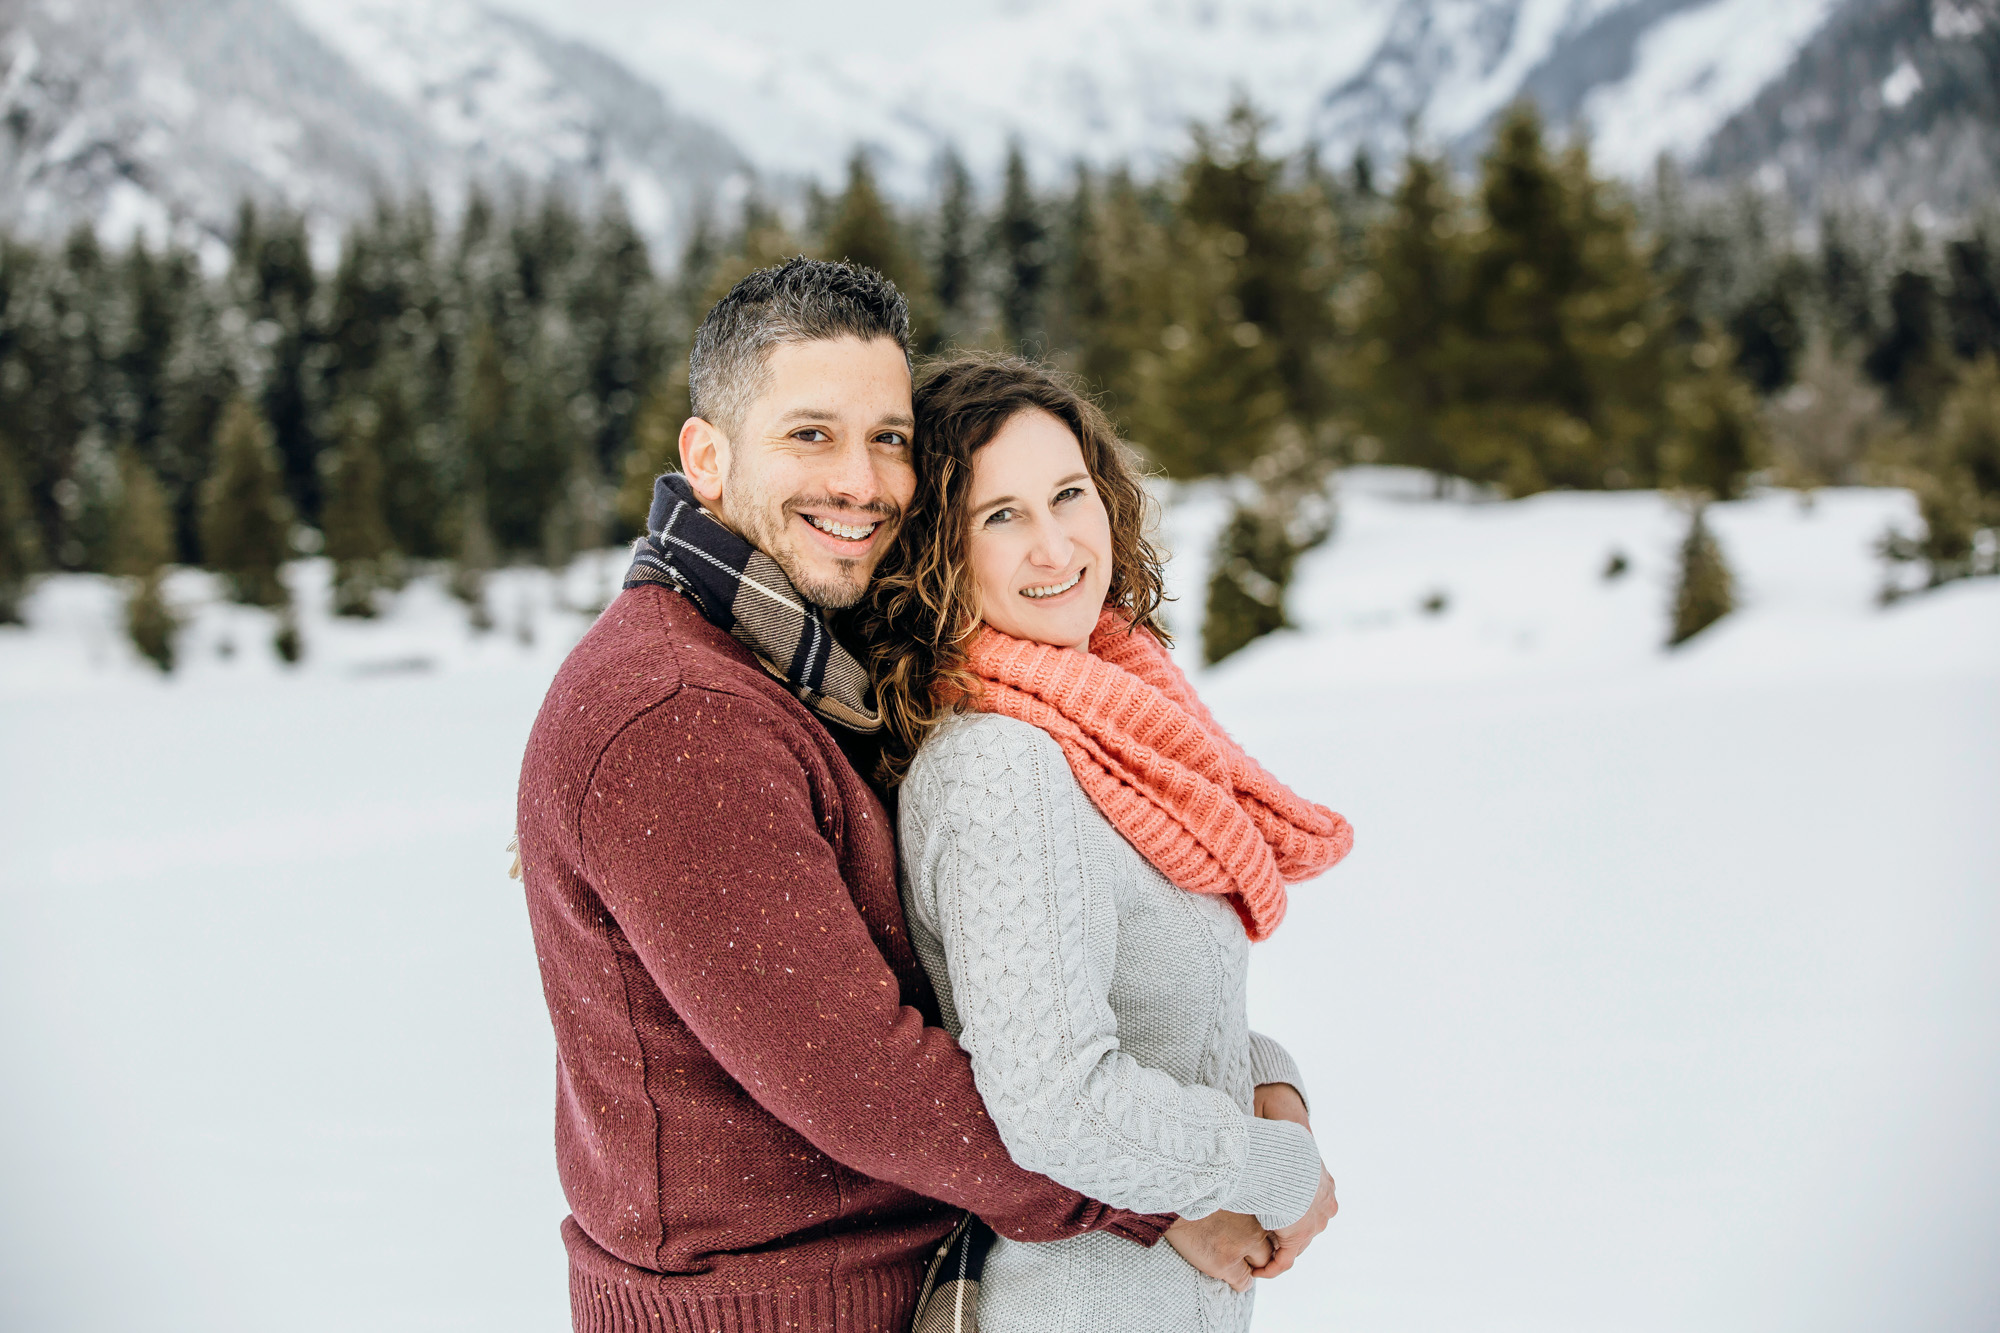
(1103, 1009)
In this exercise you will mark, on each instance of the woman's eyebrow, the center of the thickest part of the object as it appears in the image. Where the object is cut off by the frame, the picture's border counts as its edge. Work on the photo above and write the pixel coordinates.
(994, 504)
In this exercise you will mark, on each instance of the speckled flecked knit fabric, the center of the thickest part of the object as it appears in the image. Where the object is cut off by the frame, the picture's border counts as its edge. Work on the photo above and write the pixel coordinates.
(1103, 1009)
(756, 1128)
(1160, 767)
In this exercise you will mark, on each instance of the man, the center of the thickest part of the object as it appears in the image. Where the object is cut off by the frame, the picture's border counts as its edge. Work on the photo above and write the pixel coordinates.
(759, 1123)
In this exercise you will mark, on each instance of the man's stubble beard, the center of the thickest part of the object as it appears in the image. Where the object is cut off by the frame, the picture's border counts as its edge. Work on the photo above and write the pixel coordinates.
(754, 512)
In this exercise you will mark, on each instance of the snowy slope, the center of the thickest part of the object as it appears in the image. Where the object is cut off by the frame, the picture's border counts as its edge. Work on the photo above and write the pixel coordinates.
(1105, 80)
(159, 116)
(1662, 991)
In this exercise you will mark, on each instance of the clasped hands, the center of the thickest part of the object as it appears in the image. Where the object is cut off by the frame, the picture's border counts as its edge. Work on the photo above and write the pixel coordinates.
(1234, 1247)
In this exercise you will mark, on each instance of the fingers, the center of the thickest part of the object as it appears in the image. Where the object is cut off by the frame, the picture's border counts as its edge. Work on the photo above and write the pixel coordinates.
(1240, 1275)
(1283, 1256)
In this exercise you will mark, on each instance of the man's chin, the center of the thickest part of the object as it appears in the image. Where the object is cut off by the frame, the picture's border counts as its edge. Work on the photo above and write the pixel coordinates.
(832, 589)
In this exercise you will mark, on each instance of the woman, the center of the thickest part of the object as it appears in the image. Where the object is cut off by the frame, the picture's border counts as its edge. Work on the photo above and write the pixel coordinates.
(1086, 859)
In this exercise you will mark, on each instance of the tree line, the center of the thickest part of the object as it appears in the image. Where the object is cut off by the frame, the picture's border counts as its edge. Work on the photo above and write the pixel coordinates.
(504, 385)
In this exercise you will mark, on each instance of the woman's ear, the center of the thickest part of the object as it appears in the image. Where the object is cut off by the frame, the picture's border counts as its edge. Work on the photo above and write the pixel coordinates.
(705, 459)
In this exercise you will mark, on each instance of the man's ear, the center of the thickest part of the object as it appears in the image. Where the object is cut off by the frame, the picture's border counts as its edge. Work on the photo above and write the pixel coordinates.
(704, 458)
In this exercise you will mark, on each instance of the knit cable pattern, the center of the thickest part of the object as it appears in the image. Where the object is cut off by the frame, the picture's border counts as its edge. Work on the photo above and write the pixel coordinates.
(1160, 767)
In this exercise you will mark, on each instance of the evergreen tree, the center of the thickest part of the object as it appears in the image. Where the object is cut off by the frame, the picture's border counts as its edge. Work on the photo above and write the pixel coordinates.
(20, 541)
(616, 314)
(276, 284)
(657, 450)
(420, 470)
(477, 555)
(954, 266)
(357, 530)
(1252, 565)
(1706, 590)
(1210, 400)
(1769, 329)
(145, 545)
(1081, 301)
(1717, 435)
(1958, 488)
(1409, 321)
(1020, 246)
(1566, 359)
(1911, 358)
(1972, 295)
(246, 519)
(1278, 236)
(862, 230)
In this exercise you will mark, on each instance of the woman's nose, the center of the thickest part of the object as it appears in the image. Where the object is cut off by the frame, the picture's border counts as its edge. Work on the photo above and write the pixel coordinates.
(1052, 545)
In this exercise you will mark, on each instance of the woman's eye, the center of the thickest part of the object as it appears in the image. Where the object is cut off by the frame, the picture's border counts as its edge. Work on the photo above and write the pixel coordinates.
(1068, 493)
(999, 516)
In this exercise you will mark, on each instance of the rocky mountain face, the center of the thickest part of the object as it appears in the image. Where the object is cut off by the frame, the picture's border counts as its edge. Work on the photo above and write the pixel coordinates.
(1645, 77)
(1895, 103)
(160, 116)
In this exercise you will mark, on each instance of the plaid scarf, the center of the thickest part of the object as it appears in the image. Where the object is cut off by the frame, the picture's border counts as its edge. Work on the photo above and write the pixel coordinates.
(742, 590)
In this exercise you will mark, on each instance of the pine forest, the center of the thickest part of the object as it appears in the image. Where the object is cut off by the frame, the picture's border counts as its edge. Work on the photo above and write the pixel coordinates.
(502, 385)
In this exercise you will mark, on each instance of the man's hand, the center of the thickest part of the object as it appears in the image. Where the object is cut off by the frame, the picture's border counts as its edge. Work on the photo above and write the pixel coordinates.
(1281, 1101)
(1229, 1246)
(1288, 1244)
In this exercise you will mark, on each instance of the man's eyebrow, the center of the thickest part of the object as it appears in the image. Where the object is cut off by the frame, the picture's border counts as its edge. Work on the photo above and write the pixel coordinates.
(899, 420)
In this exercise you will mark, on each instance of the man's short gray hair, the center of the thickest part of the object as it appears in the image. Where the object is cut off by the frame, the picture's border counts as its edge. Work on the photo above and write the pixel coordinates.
(800, 300)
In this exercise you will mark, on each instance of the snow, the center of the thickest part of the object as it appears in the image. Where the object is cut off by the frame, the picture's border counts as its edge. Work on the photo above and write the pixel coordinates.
(1691, 73)
(1662, 990)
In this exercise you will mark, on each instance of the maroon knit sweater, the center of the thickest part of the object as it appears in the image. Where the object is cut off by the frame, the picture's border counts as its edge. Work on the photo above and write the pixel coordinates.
(755, 1122)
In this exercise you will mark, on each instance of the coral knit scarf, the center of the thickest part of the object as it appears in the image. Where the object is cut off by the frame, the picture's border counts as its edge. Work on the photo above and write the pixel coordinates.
(1163, 772)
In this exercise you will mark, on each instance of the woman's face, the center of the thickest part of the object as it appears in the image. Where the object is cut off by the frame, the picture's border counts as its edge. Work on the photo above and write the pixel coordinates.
(1040, 543)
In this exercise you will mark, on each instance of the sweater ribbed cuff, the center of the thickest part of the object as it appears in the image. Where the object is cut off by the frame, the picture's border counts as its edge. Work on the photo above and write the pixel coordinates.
(1281, 1179)
(1272, 1063)
(1142, 1228)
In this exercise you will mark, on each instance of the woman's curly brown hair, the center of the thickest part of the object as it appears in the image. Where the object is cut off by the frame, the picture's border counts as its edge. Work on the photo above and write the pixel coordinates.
(922, 608)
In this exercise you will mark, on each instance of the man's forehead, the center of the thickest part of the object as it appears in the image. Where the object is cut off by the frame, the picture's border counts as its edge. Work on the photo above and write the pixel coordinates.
(834, 377)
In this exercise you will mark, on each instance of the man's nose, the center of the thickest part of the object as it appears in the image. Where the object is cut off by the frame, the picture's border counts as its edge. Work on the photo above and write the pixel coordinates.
(853, 474)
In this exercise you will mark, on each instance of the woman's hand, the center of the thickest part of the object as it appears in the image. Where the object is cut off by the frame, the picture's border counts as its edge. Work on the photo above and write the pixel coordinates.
(1287, 1245)
(1228, 1246)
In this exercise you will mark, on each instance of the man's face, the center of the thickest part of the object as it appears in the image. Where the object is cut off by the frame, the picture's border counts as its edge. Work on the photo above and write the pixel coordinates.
(819, 471)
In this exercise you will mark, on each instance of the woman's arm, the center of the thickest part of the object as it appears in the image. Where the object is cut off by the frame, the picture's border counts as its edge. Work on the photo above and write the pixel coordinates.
(1271, 1063)
(1029, 939)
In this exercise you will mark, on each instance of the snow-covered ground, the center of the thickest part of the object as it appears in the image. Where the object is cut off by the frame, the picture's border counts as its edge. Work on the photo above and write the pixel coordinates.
(1661, 992)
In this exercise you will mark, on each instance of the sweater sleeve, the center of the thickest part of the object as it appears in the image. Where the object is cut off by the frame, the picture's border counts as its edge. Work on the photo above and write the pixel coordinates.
(1272, 1063)
(744, 922)
(1029, 939)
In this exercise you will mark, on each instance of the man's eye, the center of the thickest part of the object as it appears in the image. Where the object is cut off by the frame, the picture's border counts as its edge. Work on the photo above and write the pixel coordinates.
(811, 435)
(895, 439)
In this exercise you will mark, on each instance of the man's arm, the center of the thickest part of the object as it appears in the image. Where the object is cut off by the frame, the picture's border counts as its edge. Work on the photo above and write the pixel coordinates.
(699, 832)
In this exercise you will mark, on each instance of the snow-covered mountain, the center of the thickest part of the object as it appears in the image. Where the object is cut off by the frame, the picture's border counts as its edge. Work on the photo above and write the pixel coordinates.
(1646, 76)
(1103, 80)
(1894, 102)
(160, 115)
